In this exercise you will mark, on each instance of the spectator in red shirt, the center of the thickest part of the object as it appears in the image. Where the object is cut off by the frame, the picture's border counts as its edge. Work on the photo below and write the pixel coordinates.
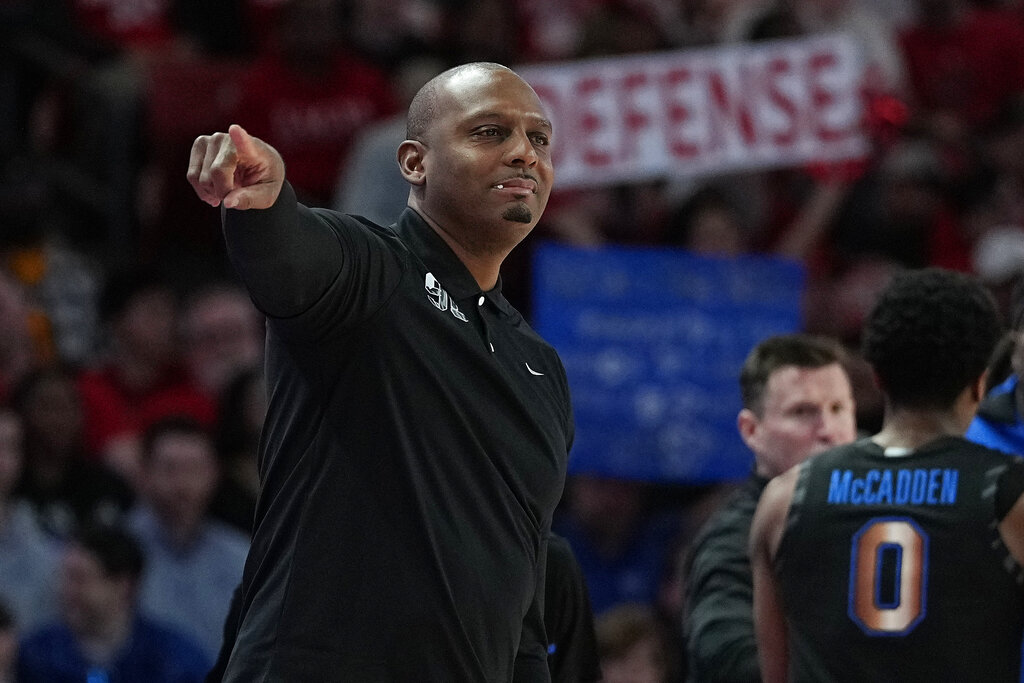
(65, 490)
(311, 96)
(142, 378)
(964, 62)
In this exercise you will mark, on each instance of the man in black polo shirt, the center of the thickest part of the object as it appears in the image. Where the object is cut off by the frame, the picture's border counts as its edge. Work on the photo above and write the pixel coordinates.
(417, 432)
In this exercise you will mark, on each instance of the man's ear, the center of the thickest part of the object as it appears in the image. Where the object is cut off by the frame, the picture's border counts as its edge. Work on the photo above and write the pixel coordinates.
(410, 161)
(978, 387)
(746, 423)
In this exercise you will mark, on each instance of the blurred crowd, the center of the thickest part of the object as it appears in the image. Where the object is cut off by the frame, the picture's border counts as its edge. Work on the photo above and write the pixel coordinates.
(130, 358)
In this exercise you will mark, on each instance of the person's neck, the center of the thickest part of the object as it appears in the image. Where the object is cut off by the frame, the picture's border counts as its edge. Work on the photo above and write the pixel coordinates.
(180, 533)
(903, 428)
(246, 473)
(102, 644)
(181, 537)
(137, 373)
(484, 269)
(49, 469)
(946, 19)
(484, 266)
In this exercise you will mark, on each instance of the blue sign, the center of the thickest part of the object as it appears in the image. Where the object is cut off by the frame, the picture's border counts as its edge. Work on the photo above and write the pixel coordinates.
(653, 341)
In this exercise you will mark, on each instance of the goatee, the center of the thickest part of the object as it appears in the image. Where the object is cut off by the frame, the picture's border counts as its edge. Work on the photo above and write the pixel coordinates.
(519, 213)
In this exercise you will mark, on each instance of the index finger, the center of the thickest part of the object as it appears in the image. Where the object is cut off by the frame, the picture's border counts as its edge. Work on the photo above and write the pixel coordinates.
(244, 143)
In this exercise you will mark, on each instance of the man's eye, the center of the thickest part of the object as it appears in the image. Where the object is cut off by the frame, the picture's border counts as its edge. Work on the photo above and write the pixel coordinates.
(540, 139)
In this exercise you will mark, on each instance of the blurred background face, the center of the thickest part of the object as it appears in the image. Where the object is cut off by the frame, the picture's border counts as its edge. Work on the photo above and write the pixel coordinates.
(599, 501)
(11, 455)
(89, 598)
(16, 340)
(716, 232)
(639, 665)
(53, 414)
(937, 10)
(224, 334)
(308, 33)
(805, 412)
(8, 649)
(180, 478)
(146, 325)
(821, 8)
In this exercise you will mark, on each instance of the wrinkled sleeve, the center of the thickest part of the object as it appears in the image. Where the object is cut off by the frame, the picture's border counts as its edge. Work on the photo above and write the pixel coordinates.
(287, 256)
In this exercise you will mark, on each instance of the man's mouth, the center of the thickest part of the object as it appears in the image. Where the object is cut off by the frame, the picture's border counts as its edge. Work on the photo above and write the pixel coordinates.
(520, 186)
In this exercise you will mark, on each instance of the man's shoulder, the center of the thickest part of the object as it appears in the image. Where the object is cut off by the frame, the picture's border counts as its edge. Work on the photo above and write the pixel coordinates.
(729, 525)
(355, 222)
(739, 506)
(837, 455)
(48, 651)
(47, 637)
(226, 538)
(25, 533)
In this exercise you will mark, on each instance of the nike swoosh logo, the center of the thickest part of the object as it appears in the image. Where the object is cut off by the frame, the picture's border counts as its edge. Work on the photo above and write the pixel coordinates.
(532, 371)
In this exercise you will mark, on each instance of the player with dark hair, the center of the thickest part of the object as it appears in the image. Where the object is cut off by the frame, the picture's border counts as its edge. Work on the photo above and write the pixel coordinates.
(898, 557)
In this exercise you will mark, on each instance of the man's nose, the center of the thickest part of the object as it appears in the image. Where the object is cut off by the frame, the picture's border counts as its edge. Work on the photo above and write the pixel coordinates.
(520, 151)
(831, 426)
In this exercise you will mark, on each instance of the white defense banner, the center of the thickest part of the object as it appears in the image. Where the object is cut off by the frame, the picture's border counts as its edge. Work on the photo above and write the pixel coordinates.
(729, 108)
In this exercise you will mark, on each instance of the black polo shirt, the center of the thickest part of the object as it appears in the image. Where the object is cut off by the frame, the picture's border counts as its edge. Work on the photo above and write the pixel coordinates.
(414, 450)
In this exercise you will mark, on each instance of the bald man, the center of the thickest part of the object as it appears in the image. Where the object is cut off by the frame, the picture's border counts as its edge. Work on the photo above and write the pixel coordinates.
(417, 432)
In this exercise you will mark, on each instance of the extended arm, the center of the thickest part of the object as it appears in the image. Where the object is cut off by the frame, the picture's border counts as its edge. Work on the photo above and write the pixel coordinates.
(286, 254)
(719, 626)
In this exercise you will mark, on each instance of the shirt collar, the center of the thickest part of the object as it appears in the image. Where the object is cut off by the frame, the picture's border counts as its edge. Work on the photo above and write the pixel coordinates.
(440, 260)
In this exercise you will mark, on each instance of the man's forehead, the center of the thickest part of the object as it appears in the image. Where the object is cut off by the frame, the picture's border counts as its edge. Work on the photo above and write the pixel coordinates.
(790, 382)
(481, 114)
